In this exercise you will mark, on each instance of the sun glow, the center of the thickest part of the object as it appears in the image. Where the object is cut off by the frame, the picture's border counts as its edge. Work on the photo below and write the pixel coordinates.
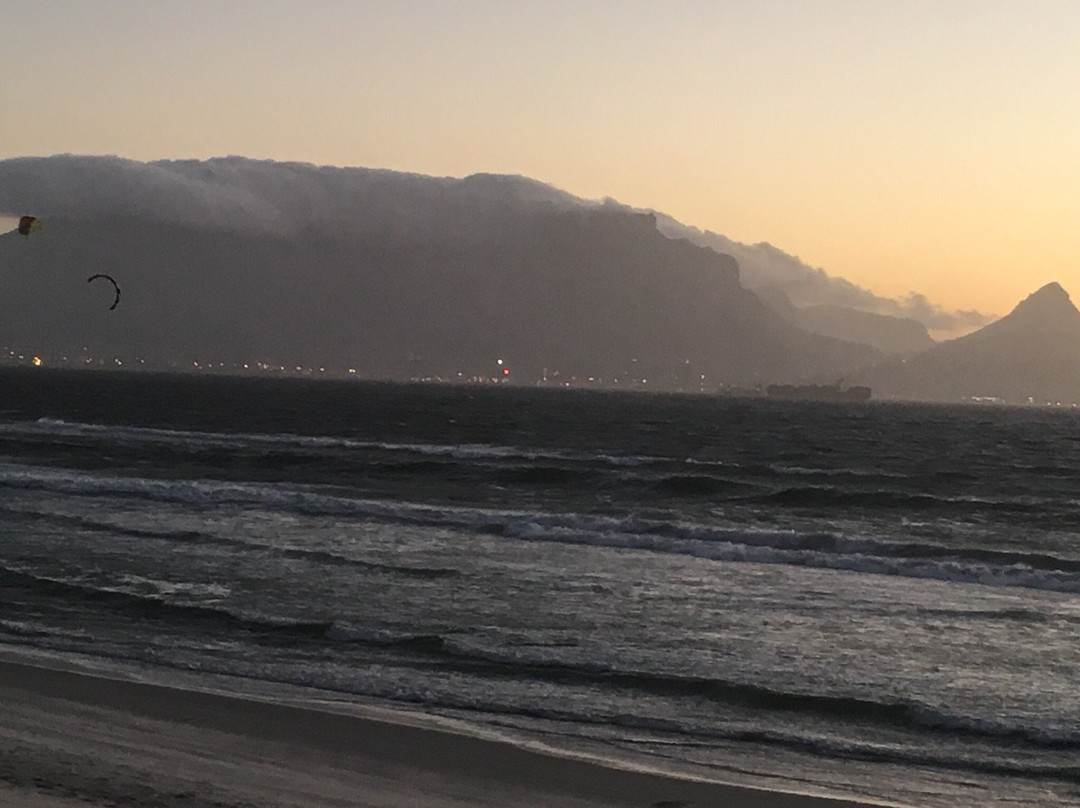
(916, 146)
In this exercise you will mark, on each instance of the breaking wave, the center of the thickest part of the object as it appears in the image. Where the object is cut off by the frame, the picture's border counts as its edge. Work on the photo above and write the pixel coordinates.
(823, 549)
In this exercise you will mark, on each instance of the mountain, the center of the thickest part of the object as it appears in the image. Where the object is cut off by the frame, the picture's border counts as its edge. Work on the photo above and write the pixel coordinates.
(886, 333)
(894, 335)
(392, 275)
(1030, 356)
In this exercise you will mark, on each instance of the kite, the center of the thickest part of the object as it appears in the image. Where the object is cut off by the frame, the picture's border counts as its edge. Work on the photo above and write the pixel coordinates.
(116, 287)
(28, 225)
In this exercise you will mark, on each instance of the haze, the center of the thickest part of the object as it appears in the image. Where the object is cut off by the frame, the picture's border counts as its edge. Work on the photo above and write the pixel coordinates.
(904, 146)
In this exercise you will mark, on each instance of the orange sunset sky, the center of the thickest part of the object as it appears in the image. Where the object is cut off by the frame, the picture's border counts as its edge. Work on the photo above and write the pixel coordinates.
(907, 146)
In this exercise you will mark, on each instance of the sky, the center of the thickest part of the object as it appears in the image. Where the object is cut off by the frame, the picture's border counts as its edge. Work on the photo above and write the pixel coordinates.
(906, 146)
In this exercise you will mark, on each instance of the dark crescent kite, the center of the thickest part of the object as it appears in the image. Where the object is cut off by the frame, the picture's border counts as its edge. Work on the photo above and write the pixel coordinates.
(116, 287)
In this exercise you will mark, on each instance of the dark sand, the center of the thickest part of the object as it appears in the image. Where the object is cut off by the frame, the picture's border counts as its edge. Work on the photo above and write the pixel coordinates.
(75, 739)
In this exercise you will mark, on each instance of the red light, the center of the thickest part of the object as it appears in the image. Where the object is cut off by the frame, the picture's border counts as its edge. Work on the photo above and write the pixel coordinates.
(506, 371)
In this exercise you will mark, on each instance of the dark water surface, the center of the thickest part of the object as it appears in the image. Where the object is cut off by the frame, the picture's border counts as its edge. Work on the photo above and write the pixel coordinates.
(873, 599)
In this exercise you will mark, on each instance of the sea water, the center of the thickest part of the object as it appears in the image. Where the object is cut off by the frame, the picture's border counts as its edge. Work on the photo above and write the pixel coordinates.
(879, 600)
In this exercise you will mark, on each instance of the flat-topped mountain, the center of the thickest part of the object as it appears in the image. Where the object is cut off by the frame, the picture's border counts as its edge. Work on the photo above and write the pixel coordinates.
(392, 275)
(1032, 355)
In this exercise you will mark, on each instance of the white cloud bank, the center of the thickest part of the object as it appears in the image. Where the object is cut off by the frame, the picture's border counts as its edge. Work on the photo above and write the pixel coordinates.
(763, 266)
(267, 197)
(243, 195)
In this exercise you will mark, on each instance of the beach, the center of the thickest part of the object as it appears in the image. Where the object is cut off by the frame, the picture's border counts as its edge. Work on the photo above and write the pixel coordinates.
(72, 738)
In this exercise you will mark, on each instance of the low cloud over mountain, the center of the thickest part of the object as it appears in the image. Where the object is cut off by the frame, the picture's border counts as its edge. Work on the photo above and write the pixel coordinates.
(768, 269)
(394, 275)
(240, 195)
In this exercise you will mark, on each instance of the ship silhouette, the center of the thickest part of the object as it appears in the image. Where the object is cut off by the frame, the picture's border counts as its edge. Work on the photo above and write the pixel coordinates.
(818, 392)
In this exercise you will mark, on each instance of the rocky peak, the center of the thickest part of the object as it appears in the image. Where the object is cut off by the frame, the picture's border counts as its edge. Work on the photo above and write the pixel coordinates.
(1051, 302)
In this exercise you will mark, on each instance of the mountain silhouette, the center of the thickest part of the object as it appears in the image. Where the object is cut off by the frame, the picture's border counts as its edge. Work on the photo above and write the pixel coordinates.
(1032, 355)
(389, 275)
(886, 333)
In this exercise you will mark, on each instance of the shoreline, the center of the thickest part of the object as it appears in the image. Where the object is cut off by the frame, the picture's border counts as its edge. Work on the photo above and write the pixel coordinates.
(80, 738)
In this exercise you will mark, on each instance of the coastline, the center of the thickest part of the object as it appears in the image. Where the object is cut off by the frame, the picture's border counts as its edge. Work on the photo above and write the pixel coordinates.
(77, 738)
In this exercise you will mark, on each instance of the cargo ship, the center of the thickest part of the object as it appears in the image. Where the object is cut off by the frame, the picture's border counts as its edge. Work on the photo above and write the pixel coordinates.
(818, 392)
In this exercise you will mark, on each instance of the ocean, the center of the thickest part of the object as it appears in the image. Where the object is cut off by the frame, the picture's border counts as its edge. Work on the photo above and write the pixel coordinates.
(870, 599)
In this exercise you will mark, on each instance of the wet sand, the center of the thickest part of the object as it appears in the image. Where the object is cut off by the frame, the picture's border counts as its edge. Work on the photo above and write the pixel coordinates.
(70, 739)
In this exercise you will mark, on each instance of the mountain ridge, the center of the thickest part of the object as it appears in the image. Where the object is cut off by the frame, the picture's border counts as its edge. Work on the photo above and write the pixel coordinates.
(266, 196)
(1030, 356)
(573, 293)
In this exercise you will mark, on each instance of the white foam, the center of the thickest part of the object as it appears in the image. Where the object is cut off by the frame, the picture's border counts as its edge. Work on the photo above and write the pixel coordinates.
(732, 545)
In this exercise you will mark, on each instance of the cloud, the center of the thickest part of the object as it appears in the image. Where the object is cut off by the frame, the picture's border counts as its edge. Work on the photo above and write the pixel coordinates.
(240, 194)
(763, 266)
(918, 307)
(71, 186)
(267, 197)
